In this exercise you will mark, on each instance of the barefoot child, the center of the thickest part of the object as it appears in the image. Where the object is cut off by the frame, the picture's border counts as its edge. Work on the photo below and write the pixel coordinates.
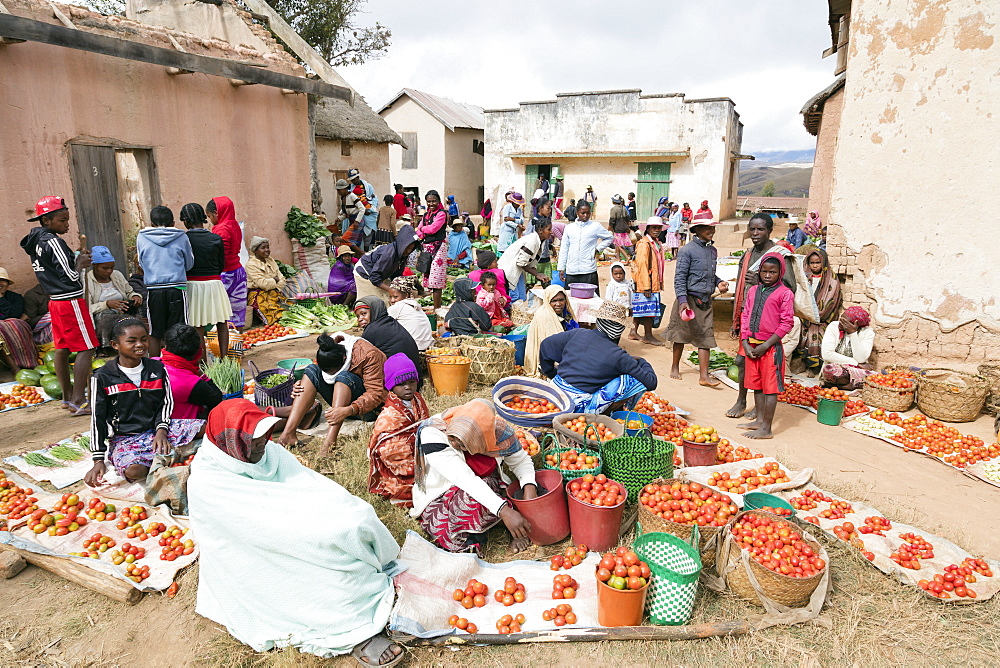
(130, 424)
(767, 317)
(618, 289)
(390, 449)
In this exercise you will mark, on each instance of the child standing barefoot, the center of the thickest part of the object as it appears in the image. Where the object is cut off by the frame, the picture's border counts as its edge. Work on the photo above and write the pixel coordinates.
(767, 317)
(132, 404)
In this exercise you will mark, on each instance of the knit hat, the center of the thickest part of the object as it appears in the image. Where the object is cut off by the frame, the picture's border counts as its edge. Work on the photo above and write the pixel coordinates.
(611, 311)
(399, 369)
(256, 242)
(100, 255)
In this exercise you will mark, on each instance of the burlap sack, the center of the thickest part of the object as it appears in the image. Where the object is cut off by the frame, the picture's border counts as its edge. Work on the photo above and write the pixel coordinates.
(167, 484)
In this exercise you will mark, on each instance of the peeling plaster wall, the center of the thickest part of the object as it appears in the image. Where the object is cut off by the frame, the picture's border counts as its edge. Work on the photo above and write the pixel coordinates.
(821, 182)
(917, 136)
(618, 122)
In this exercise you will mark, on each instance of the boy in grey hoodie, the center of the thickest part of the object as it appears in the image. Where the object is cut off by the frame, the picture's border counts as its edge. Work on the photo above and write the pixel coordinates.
(165, 256)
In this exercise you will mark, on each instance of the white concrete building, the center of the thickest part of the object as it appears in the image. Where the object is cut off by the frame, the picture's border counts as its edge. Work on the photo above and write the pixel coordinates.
(443, 146)
(619, 142)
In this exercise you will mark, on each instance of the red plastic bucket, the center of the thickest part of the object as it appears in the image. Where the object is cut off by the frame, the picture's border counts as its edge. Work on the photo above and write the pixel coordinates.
(596, 527)
(547, 513)
(700, 454)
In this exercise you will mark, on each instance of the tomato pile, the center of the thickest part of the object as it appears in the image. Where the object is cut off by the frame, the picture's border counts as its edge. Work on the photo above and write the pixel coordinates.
(837, 510)
(137, 573)
(780, 512)
(622, 569)
(697, 434)
(264, 334)
(597, 491)
(669, 427)
(943, 441)
(688, 503)
(131, 516)
(727, 454)
(512, 592)
(186, 462)
(462, 624)
(527, 404)
(651, 403)
(909, 553)
(173, 544)
(889, 418)
(64, 518)
(896, 380)
(20, 396)
(528, 443)
(564, 586)
(100, 511)
(847, 533)
(855, 407)
(510, 624)
(776, 545)
(473, 596)
(875, 525)
(561, 615)
(831, 394)
(810, 499)
(128, 554)
(96, 544)
(16, 502)
(749, 479)
(594, 430)
(799, 395)
(571, 460)
(634, 425)
(573, 557)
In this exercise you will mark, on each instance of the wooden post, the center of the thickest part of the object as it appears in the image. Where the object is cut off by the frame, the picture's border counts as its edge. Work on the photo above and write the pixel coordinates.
(102, 583)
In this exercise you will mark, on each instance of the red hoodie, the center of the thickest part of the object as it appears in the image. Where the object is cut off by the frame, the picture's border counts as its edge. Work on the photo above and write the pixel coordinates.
(229, 230)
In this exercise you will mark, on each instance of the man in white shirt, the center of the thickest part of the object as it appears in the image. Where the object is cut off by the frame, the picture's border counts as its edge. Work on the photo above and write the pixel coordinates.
(581, 239)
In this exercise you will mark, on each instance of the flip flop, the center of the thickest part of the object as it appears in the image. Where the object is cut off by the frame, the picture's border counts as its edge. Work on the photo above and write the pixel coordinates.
(375, 646)
(82, 410)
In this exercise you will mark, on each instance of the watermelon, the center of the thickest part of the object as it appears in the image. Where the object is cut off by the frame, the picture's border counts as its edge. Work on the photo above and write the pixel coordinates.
(47, 378)
(97, 363)
(49, 357)
(51, 386)
(50, 367)
(28, 377)
(40, 370)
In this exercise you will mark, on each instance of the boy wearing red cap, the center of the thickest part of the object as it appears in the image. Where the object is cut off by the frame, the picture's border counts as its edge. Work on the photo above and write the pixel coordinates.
(60, 275)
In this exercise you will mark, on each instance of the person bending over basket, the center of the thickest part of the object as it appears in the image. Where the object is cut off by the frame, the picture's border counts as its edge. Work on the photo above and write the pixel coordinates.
(457, 488)
(589, 365)
(323, 586)
(129, 425)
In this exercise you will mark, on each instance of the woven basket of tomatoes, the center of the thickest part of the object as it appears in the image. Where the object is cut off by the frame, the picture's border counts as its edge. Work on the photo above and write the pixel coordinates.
(572, 462)
(529, 402)
(950, 395)
(894, 389)
(787, 563)
(676, 507)
(574, 429)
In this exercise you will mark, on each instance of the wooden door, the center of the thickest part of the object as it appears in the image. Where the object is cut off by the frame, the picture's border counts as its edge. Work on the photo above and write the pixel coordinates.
(530, 177)
(95, 191)
(651, 183)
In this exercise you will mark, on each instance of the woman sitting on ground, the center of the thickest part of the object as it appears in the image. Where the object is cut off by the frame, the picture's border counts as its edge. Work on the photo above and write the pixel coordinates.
(334, 575)
(265, 282)
(467, 317)
(847, 346)
(592, 369)
(349, 375)
(341, 281)
(394, 435)
(129, 425)
(194, 393)
(404, 307)
(109, 294)
(826, 293)
(17, 349)
(383, 331)
(487, 263)
(554, 316)
(457, 492)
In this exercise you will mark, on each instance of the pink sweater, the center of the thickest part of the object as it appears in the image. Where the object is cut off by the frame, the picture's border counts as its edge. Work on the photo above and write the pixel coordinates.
(778, 315)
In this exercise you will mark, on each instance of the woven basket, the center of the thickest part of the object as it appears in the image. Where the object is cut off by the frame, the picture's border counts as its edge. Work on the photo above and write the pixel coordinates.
(520, 315)
(877, 396)
(278, 396)
(235, 351)
(786, 590)
(951, 396)
(533, 388)
(571, 475)
(652, 523)
(571, 439)
(991, 372)
(492, 357)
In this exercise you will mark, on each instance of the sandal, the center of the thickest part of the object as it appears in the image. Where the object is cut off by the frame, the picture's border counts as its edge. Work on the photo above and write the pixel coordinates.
(82, 410)
(376, 647)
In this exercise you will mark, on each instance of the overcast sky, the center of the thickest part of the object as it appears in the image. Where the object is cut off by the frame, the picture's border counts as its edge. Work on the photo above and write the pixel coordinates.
(763, 54)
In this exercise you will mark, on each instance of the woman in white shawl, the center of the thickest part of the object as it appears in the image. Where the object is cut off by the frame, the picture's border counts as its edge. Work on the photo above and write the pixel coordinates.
(320, 580)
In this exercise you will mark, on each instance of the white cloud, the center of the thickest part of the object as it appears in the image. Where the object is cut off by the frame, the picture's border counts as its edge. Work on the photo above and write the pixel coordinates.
(764, 54)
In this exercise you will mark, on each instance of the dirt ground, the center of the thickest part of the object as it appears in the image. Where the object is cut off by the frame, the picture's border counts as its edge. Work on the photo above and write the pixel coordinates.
(45, 620)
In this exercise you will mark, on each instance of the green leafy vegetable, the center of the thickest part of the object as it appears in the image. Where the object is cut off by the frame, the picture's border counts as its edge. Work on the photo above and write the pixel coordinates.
(286, 270)
(273, 380)
(716, 360)
(319, 318)
(306, 228)
(226, 375)
(38, 459)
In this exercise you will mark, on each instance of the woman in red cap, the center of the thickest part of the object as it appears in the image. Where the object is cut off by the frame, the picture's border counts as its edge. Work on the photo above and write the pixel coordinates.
(59, 274)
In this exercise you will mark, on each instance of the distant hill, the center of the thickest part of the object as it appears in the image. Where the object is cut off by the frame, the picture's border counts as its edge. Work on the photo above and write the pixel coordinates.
(789, 170)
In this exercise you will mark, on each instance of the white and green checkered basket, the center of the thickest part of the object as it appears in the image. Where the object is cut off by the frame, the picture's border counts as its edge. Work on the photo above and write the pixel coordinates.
(675, 566)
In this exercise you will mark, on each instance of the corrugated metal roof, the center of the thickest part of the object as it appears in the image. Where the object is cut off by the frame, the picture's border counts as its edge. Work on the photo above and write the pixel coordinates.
(452, 114)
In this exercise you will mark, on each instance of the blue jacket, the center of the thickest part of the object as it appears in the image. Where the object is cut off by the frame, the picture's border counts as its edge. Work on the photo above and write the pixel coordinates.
(165, 256)
(695, 270)
(796, 237)
(588, 360)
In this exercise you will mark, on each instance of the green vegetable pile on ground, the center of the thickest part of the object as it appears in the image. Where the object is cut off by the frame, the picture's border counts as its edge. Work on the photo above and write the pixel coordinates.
(226, 375)
(38, 459)
(66, 453)
(458, 272)
(305, 228)
(274, 380)
(717, 360)
(319, 318)
(286, 270)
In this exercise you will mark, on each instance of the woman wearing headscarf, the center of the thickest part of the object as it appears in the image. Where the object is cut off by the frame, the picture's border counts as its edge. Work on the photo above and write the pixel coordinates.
(404, 307)
(703, 212)
(813, 227)
(619, 221)
(108, 293)
(383, 331)
(375, 270)
(433, 233)
(335, 575)
(349, 375)
(590, 366)
(222, 214)
(847, 345)
(511, 221)
(675, 231)
(457, 491)
(466, 317)
(265, 282)
(826, 292)
(554, 316)
(17, 349)
(647, 275)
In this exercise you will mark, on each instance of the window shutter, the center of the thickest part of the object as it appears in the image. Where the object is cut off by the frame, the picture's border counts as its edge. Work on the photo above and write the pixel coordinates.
(410, 154)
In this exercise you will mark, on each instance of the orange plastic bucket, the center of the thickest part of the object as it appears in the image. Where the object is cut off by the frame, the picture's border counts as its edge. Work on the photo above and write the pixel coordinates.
(449, 379)
(700, 454)
(547, 513)
(619, 607)
(596, 527)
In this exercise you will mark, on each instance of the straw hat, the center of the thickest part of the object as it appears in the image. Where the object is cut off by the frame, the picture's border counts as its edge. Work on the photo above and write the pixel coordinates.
(4, 276)
(614, 312)
(344, 250)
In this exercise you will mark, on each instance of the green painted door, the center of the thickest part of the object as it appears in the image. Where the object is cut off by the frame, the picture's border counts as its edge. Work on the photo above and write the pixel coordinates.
(652, 183)
(530, 176)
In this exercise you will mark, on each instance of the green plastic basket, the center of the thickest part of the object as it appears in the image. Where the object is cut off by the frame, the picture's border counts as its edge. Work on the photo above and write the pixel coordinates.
(758, 500)
(572, 475)
(676, 567)
(636, 461)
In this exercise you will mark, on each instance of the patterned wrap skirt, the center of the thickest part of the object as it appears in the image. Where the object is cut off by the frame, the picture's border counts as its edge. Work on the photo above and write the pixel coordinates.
(455, 521)
(129, 449)
(235, 282)
(437, 278)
